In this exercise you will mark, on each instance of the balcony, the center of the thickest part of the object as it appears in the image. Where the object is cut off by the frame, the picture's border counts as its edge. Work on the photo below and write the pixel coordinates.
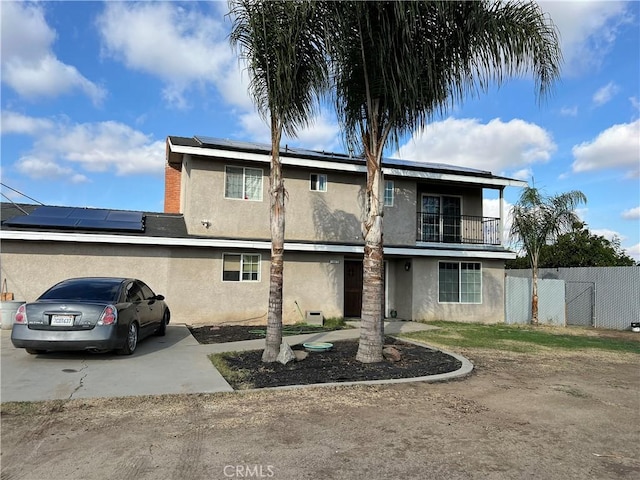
(464, 229)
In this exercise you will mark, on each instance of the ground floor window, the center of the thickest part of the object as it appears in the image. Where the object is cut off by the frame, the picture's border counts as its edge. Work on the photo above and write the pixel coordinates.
(240, 267)
(459, 282)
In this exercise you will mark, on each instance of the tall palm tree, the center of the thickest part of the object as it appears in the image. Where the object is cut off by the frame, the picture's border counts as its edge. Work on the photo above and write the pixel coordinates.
(396, 65)
(281, 44)
(538, 220)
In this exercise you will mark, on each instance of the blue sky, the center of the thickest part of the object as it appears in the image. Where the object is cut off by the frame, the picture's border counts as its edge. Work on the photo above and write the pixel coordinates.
(91, 90)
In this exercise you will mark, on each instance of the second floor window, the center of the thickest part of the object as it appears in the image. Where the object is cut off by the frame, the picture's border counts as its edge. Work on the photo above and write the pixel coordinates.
(388, 193)
(243, 183)
(318, 182)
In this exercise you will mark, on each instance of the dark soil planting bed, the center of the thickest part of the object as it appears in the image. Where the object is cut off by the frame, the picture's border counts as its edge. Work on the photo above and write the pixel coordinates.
(337, 365)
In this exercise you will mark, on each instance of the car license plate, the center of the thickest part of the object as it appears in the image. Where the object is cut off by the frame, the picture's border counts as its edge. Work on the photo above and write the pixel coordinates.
(62, 320)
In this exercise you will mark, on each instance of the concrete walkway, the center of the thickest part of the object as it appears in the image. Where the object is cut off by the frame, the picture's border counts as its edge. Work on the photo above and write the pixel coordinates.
(173, 364)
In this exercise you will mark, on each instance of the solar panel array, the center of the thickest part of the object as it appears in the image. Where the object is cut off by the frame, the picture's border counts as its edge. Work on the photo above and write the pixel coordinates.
(335, 157)
(81, 219)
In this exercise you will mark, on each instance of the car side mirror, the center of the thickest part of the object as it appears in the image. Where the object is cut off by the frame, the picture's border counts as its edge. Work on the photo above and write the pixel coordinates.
(159, 297)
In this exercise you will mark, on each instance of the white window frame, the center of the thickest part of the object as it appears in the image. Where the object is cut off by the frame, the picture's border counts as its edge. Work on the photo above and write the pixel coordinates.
(244, 183)
(320, 182)
(389, 183)
(460, 283)
(241, 272)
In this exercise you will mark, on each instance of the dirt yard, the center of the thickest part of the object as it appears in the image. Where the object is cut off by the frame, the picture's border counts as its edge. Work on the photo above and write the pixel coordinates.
(544, 416)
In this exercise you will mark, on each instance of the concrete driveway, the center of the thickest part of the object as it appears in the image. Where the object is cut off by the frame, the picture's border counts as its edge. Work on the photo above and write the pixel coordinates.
(175, 363)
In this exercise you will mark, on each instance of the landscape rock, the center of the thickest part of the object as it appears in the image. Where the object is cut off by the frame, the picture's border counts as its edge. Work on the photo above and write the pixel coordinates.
(392, 354)
(300, 355)
(286, 354)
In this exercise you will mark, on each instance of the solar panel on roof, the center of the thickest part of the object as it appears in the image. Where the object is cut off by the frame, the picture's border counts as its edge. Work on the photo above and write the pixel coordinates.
(338, 157)
(81, 219)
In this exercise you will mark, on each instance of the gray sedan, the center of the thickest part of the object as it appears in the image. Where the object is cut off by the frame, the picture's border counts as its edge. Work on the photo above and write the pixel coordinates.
(94, 314)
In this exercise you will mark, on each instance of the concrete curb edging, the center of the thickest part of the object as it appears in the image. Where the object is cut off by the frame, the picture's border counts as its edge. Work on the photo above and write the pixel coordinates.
(465, 369)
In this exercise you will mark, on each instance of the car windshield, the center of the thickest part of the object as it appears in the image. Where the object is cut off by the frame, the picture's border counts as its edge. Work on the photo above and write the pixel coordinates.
(85, 290)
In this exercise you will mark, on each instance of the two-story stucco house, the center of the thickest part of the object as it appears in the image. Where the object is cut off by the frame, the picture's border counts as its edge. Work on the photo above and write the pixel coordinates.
(208, 252)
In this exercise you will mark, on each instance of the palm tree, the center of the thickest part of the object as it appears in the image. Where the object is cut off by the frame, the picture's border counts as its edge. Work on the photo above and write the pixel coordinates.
(538, 220)
(396, 65)
(287, 68)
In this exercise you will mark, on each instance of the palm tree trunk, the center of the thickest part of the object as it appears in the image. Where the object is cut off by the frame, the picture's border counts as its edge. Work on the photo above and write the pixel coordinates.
(534, 297)
(277, 197)
(372, 326)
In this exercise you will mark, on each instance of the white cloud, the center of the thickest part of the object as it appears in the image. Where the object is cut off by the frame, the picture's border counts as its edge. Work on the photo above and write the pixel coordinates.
(607, 233)
(615, 147)
(13, 122)
(631, 214)
(588, 30)
(63, 150)
(605, 94)
(633, 251)
(322, 134)
(182, 46)
(29, 65)
(569, 111)
(496, 146)
(525, 174)
(254, 127)
(39, 168)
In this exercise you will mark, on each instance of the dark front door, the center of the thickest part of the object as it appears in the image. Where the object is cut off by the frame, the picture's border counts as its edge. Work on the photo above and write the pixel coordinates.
(352, 288)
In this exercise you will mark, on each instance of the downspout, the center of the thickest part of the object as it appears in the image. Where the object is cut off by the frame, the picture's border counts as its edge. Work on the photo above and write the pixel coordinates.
(501, 222)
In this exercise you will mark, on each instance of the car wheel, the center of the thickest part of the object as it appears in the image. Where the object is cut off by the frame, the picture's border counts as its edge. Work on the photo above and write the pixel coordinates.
(34, 351)
(162, 329)
(131, 342)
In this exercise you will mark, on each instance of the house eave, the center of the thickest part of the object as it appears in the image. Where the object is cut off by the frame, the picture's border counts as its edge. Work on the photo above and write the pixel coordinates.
(73, 237)
(287, 160)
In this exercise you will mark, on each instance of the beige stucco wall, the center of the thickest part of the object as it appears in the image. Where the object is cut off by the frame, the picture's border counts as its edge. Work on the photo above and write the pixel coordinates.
(31, 267)
(400, 219)
(425, 294)
(190, 278)
(399, 289)
(230, 218)
(334, 215)
(331, 216)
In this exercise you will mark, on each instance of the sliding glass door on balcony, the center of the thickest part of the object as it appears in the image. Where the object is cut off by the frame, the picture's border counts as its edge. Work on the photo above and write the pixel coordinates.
(440, 219)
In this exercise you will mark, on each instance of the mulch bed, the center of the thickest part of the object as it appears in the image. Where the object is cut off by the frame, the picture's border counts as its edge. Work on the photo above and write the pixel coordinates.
(238, 333)
(336, 365)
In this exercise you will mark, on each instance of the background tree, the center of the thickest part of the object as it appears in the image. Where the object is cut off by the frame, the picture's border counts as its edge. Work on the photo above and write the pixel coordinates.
(396, 64)
(286, 63)
(578, 248)
(538, 220)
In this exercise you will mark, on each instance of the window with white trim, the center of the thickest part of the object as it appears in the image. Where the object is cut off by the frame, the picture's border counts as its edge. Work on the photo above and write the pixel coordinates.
(243, 267)
(243, 183)
(388, 193)
(318, 182)
(459, 282)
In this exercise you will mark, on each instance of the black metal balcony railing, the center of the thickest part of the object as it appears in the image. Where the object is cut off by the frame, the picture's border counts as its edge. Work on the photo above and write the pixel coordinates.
(458, 229)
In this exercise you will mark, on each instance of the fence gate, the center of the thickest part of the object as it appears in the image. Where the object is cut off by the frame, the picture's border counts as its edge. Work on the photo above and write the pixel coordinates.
(580, 302)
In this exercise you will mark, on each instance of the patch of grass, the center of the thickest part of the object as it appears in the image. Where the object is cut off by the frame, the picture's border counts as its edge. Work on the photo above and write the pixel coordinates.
(330, 324)
(32, 408)
(335, 323)
(517, 338)
(572, 391)
(232, 375)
